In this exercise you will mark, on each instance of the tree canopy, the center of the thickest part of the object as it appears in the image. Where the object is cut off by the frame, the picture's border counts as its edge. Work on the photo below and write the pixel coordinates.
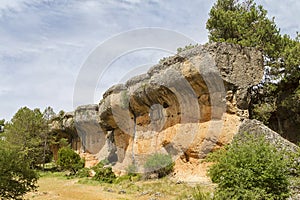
(24, 133)
(17, 178)
(245, 24)
(278, 96)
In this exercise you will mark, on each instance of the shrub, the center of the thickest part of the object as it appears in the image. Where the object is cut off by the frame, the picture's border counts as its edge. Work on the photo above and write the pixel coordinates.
(294, 163)
(160, 164)
(103, 173)
(16, 176)
(251, 168)
(126, 178)
(82, 173)
(131, 169)
(69, 160)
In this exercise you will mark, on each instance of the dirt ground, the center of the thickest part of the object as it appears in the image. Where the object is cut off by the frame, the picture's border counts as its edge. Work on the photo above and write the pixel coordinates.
(69, 189)
(60, 189)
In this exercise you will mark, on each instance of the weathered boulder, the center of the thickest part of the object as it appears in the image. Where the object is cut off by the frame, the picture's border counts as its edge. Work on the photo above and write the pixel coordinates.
(259, 129)
(63, 123)
(62, 126)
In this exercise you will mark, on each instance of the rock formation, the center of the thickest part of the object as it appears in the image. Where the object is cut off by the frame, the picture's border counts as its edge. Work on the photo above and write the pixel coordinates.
(258, 128)
(186, 106)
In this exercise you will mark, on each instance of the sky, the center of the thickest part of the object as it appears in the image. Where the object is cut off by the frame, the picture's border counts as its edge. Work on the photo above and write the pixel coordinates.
(44, 44)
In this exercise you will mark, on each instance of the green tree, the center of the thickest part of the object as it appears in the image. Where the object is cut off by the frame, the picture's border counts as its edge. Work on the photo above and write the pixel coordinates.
(2, 123)
(251, 168)
(16, 176)
(25, 133)
(46, 136)
(246, 23)
(69, 160)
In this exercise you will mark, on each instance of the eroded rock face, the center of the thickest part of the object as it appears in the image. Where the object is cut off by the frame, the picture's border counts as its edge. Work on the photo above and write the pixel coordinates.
(187, 105)
(258, 128)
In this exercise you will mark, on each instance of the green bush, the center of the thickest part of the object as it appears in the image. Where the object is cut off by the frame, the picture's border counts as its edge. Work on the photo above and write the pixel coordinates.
(160, 164)
(104, 173)
(215, 155)
(82, 173)
(16, 176)
(294, 163)
(251, 168)
(69, 160)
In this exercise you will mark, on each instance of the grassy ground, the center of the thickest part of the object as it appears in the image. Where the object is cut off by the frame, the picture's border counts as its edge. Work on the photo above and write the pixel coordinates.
(57, 186)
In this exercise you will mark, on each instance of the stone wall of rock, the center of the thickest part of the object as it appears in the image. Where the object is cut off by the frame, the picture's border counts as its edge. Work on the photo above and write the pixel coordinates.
(259, 129)
(187, 105)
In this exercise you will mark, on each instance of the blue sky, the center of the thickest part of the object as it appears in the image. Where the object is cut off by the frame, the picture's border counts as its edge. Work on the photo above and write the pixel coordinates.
(43, 43)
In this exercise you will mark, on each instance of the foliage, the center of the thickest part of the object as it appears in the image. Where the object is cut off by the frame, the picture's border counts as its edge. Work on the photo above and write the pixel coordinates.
(15, 174)
(69, 160)
(243, 23)
(294, 162)
(160, 164)
(247, 24)
(251, 168)
(264, 111)
(2, 123)
(48, 113)
(63, 142)
(127, 178)
(26, 132)
(187, 47)
(82, 173)
(215, 155)
(104, 173)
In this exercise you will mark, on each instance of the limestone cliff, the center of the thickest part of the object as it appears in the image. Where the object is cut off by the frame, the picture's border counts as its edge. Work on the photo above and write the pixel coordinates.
(187, 105)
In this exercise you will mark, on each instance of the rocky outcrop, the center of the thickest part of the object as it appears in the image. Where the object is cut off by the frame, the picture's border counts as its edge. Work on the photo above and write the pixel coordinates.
(186, 106)
(62, 126)
(259, 129)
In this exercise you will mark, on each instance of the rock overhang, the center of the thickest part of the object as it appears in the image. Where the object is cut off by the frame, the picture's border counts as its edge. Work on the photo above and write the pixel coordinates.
(200, 94)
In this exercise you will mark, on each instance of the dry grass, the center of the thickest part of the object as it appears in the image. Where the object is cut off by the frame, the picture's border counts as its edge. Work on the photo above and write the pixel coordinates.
(56, 186)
